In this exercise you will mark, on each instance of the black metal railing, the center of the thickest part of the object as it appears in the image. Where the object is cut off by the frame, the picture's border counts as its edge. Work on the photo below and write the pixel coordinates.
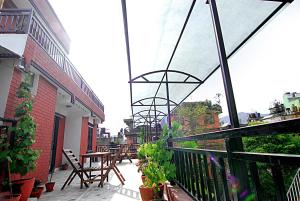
(15, 21)
(205, 174)
(26, 22)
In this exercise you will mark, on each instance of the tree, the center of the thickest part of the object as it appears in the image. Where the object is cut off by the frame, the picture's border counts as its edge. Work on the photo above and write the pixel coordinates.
(189, 112)
(287, 144)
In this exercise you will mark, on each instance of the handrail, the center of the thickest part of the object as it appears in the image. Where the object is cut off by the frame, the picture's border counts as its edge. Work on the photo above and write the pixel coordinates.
(24, 21)
(15, 21)
(207, 173)
(285, 127)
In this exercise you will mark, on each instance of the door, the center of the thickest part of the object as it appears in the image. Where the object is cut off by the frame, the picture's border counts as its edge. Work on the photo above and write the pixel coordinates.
(54, 143)
(90, 137)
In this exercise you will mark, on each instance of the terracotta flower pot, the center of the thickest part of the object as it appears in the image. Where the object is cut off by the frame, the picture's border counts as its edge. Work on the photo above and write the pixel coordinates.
(146, 193)
(37, 192)
(49, 186)
(10, 197)
(26, 187)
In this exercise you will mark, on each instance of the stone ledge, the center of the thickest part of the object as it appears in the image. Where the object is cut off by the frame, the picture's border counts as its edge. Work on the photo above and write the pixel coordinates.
(175, 193)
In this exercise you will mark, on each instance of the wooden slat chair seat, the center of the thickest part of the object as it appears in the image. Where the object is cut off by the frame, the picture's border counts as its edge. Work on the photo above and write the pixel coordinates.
(78, 169)
(112, 166)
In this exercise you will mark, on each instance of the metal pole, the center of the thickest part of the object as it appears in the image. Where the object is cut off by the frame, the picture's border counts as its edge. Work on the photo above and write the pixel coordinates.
(169, 142)
(168, 102)
(155, 118)
(237, 168)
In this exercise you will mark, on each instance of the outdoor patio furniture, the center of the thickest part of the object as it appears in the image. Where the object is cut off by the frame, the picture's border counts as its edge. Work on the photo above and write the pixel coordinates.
(105, 158)
(77, 168)
(125, 154)
(113, 167)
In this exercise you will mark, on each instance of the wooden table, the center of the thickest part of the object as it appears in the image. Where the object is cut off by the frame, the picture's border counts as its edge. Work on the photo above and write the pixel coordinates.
(101, 155)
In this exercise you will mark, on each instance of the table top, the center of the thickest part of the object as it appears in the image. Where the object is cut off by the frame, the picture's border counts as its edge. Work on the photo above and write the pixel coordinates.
(94, 154)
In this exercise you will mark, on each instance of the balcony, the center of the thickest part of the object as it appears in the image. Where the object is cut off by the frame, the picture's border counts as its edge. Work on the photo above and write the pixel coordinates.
(25, 22)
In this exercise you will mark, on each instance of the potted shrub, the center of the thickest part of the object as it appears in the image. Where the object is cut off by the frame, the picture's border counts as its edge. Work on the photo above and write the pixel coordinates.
(20, 153)
(153, 183)
(37, 189)
(50, 185)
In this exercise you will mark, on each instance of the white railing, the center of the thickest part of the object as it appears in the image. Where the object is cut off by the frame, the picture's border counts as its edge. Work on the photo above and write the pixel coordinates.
(293, 193)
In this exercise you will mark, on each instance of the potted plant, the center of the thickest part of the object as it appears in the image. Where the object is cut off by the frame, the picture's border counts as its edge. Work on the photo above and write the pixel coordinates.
(10, 196)
(20, 153)
(37, 189)
(50, 185)
(153, 184)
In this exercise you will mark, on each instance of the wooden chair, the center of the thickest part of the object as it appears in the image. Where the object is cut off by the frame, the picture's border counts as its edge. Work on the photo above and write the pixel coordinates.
(125, 154)
(78, 169)
(112, 166)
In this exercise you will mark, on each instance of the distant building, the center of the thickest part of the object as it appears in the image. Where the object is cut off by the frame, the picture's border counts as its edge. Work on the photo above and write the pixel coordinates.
(289, 109)
(291, 102)
(132, 133)
(192, 123)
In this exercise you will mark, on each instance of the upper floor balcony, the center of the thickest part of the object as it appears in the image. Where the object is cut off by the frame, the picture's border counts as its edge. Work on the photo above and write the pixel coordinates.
(25, 22)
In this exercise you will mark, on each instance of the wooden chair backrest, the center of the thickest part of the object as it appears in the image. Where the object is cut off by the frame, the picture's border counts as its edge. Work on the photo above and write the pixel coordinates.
(72, 159)
(116, 156)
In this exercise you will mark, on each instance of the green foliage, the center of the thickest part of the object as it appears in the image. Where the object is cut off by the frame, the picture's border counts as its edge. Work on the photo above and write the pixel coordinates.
(20, 155)
(188, 114)
(287, 144)
(154, 175)
(176, 132)
(156, 161)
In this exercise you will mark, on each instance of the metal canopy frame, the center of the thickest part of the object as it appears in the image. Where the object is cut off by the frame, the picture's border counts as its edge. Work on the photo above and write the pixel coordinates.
(153, 103)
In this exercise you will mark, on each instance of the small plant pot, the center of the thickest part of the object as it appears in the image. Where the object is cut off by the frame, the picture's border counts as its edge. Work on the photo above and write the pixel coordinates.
(10, 197)
(36, 193)
(64, 166)
(26, 186)
(50, 186)
(147, 193)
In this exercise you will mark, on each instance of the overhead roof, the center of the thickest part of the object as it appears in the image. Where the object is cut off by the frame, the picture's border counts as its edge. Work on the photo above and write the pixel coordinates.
(174, 41)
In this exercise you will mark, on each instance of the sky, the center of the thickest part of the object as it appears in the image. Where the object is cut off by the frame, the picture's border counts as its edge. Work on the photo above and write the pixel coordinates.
(262, 70)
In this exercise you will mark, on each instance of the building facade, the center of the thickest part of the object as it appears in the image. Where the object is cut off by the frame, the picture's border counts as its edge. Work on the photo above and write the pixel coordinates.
(197, 117)
(65, 109)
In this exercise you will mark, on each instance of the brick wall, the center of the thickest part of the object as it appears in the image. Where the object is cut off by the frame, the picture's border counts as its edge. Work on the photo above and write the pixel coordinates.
(11, 99)
(84, 135)
(60, 142)
(43, 114)
(34, 52)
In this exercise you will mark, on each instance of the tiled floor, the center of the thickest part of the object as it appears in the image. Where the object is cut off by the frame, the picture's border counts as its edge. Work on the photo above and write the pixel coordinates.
(112, 190)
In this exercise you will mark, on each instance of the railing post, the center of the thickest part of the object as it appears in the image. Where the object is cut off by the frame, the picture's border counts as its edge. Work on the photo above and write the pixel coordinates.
(170, 143)
(237, 168)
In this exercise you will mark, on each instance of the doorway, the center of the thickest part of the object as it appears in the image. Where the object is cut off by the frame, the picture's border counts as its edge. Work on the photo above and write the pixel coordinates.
(54, 142)
(90, 137)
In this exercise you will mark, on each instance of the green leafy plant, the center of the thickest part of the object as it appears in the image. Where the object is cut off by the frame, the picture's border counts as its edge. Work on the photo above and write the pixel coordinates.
(20, 154)
(156, 157)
